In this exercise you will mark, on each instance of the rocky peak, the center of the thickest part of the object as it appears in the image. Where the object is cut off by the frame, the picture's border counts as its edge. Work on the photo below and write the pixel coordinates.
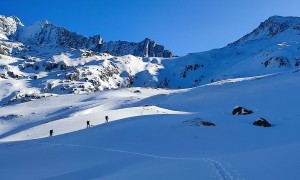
(271, 27)
(145, 48)
(44, 34)
(47, 34)
(8, 26)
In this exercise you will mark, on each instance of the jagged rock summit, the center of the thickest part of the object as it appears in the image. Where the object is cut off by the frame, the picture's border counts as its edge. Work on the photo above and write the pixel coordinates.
(47, 35)
(145, 48)
(272, 27)
(8, 26)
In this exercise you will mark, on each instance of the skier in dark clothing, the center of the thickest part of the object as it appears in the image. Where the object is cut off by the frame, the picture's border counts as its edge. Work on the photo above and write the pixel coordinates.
(51, 132)
(88, 124)
(106, 119)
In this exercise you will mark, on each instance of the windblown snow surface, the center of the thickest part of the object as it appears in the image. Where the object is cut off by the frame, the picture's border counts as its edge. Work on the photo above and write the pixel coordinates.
(156, 133)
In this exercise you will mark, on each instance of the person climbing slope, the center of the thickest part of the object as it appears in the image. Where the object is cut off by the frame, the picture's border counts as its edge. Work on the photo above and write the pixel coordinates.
(51, 132)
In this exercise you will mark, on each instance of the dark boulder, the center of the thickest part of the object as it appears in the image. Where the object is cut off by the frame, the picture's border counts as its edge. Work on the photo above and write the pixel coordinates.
(50, 65)
(207, 123)
(241, 111)
(87, 54)
(262, 122)
(137, 91)
(13, 75)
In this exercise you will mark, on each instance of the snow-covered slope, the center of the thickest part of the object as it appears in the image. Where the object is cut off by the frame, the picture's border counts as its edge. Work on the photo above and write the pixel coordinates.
(157, 134)
(274, 26)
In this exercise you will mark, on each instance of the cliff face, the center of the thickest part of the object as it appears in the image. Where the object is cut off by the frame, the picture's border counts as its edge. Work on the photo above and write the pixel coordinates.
(145, 48)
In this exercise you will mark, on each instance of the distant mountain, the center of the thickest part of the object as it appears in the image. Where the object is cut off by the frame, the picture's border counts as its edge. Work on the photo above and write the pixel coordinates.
(271, 27)
(8, 26)
(145, 48)
(43, 59)
(47, 35)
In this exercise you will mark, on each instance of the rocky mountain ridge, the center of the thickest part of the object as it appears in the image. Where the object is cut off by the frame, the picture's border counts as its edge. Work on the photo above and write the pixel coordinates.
(271, 27)
(47, 35)
(54, 66)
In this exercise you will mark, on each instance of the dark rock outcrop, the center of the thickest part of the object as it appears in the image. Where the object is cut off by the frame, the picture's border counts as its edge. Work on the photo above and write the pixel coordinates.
(4, 50)
(137, 91)
(198, 122)
(73, 76)
(241, 111)
(26, 97)
(297, 61)
(262, 122)
(277, 62)
(207, 123)
(10, 116)
(50, 65)
(87, 54)
(146, 48)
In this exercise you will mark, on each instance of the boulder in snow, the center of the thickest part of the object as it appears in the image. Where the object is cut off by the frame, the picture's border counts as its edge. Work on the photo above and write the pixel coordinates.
(238, 110)
(207, 123)
(262, 122)
(198, 122)
(137, 91)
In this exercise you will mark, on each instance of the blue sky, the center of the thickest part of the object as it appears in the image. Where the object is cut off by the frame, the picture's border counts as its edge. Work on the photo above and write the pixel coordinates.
(182, 26)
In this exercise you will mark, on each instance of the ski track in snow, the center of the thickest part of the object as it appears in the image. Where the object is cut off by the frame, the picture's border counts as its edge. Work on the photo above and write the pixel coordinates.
(221, 171)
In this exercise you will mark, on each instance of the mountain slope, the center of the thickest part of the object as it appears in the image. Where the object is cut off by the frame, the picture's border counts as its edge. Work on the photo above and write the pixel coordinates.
(163, 140)
(273, 26)
(47, 35)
